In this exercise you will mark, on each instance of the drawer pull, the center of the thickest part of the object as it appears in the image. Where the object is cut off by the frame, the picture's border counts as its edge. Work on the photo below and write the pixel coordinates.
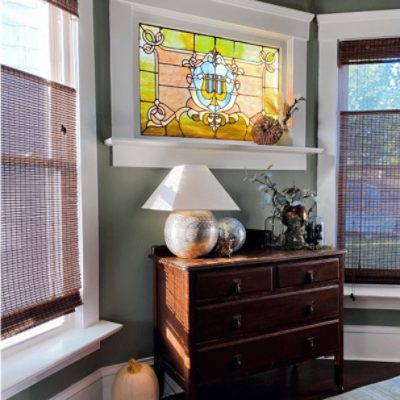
(310, 309)
(310, 343)
(237, 360)
(310, 276)
(236, 286)
(237, 321)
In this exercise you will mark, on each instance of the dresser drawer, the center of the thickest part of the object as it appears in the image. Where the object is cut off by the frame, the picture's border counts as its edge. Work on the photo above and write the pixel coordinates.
(254, 316)
(252, 355)
(295, 274)
(233, 282)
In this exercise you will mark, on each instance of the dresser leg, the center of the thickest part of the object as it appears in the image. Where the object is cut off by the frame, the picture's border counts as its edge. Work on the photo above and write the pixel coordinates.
(159, 371)
(190, 393)
(339, 371)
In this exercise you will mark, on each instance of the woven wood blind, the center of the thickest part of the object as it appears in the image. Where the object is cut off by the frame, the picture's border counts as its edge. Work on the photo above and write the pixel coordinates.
(39, 201)
(369, 174)
(369, 51)
(68, 5)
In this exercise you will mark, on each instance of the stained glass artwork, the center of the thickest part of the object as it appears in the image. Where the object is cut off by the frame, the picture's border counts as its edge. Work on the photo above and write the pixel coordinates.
(200, 86)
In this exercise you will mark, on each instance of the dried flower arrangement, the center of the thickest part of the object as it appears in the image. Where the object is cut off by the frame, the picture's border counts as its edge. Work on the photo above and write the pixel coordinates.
(290, 196)
(291, 208)
(267, 130)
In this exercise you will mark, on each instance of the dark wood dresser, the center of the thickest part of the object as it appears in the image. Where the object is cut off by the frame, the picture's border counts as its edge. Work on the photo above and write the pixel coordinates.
(217, 319)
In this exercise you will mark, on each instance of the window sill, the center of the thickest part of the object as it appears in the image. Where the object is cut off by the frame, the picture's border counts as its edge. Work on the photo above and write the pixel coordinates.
(228, 154)
(24, 368)
(375, 297)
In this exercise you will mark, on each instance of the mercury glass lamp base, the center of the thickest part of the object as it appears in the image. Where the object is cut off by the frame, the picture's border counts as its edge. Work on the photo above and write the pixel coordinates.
(191, 234)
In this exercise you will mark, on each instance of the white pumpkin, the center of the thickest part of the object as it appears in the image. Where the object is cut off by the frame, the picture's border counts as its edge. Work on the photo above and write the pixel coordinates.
(135, 381)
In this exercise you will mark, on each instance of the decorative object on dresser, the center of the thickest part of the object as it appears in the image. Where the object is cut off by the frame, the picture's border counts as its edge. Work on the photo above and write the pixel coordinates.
(231, 236)
(292, 207)
(190, 191)
(218, 319)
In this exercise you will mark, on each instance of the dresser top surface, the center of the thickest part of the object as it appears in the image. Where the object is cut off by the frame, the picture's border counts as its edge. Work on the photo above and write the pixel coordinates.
(253, 257)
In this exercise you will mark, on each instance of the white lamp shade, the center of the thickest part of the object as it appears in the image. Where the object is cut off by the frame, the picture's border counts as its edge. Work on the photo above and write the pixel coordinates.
(190, 187)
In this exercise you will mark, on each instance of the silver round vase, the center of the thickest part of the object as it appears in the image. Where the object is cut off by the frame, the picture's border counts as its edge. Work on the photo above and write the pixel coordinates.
(191, 234)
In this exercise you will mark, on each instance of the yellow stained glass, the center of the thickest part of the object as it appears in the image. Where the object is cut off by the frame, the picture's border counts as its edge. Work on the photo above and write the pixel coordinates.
(203, 43)
(147, 61)
(147, 86)
(271, 80)
(178, 39)
(225, 47)
(271, 101)
(205, 87)
(248, 52)
(151, 28)
(144, 108)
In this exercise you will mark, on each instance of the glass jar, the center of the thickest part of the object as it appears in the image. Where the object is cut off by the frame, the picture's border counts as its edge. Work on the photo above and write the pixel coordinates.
(274, 231)
(314, 235)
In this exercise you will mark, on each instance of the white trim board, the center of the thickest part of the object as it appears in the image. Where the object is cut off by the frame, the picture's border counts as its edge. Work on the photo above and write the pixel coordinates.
(372, 343)
(251, 21)
(364, 343)
(98, 385)
(232, 155)
(372, 296)
(331, 29)
(359, 25)
(51, 355)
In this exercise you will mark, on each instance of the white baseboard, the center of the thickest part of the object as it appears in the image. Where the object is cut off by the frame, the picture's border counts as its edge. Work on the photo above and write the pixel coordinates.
(372, 343)
(361, 342)
(98, 385)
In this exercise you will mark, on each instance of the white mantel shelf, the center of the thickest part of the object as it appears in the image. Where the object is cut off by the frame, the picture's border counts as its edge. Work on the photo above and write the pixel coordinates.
(229, 154)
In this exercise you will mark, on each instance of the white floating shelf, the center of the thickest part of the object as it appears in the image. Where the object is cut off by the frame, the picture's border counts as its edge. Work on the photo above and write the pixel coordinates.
(228, 154)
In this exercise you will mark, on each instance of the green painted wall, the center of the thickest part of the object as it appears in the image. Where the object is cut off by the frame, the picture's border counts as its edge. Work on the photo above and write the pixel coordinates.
(127, 231)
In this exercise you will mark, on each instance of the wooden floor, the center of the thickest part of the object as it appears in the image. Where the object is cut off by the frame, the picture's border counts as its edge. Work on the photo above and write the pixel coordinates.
(313, 380)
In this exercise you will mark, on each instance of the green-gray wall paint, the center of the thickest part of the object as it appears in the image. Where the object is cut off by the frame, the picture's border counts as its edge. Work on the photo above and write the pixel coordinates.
(127, 231)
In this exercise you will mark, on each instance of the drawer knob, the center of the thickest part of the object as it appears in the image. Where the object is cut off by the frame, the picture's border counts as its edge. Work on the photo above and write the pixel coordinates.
(310, 276)
(237, 360)
(310, 343)
(237, 321)
(310, 309)
(236, 286)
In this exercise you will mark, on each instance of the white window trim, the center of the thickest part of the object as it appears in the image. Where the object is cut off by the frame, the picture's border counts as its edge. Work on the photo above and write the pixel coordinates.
(247, 20)
(333, 28)
(34, 359)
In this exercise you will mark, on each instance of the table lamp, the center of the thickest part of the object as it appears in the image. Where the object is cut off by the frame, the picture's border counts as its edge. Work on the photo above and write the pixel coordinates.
(190, 192)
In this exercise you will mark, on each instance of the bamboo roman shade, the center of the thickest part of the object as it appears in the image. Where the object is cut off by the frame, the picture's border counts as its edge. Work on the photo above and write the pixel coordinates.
(40, 268)
(67, 5)
(369, 162)
(369, 51)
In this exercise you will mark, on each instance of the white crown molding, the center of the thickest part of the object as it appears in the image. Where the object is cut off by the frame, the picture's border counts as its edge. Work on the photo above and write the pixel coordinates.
(358, 16)
(265, 17)
(359, 25)
(267, 8)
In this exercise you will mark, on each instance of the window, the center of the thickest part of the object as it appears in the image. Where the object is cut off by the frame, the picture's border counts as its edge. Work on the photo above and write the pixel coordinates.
(171, 104)
(201, 86)
(81, 332)
(369, 162)
(39, 170)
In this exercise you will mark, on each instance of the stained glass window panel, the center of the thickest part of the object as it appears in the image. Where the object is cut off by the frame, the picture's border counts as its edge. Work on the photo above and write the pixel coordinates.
(200, 86)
